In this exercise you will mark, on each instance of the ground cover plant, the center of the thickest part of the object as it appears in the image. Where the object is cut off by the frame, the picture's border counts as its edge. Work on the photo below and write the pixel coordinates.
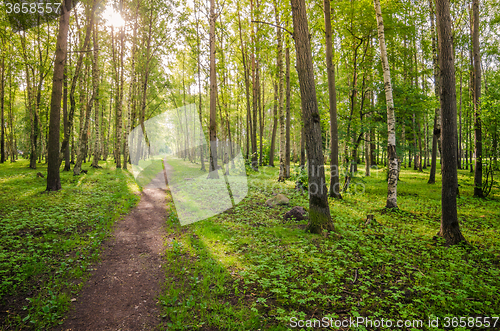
(249, 269)
(49, 241)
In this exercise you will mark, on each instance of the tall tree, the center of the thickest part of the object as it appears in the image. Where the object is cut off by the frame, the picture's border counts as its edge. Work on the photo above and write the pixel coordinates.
(392, 158)
(450, 228)
(319, 211)
(436, 137)
(119, 99)
(281, 113)
(95, 82)
(53, 178)
(76, 75)
(213, 173)
(332, 94)
(275, 124)
(287, 122)
(478, 174)
(198, 53)
(2, 102)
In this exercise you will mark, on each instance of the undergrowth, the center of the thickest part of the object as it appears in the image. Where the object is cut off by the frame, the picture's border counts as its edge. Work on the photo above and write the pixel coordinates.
(49, 241)
(248, 269)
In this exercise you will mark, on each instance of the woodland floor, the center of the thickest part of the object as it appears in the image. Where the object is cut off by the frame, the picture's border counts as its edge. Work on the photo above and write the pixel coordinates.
(122, 292)
(244, 269)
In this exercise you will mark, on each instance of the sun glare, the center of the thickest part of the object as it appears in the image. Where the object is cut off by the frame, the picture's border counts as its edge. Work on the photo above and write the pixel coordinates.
(113, 18)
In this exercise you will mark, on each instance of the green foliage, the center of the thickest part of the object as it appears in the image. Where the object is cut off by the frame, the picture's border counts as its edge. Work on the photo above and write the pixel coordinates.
(49, 241)
(300, 177)
(255, 270)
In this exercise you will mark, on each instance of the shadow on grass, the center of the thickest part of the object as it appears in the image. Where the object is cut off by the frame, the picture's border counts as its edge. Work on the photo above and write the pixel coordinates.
(201, 292)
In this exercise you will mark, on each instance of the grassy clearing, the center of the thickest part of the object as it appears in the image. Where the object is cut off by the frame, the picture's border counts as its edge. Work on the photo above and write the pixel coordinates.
(48, 242)
(247, 269)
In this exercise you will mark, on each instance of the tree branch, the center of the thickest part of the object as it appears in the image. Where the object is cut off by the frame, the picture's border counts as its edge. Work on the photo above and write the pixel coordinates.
(277, 26)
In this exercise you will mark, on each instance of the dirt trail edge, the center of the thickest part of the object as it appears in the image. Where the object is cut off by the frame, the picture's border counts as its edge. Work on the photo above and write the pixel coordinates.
(121, 293)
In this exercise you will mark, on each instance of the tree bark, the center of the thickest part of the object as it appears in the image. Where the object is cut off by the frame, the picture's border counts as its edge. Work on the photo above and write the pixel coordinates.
(213, 172)
(275, 125)
(13, 151)
(95, 81)
(460, 152)
(255, 95)
(76, 75)
(302, 147)
(67, 165)
(392, 158)
(332, 93)
(247, 87)
(2, 102)
(287, 121)
(53, 178)
(436, 136)
(198, 44)
(281, 114)
(119, 103)
(83, 144)
(450, 228)
(478, 174)
(319, 210)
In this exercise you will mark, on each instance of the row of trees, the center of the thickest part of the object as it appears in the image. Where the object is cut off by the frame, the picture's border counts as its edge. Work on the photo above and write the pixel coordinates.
(235, 61)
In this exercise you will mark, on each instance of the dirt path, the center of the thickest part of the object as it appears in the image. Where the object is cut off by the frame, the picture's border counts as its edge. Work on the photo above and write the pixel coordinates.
(121, 293)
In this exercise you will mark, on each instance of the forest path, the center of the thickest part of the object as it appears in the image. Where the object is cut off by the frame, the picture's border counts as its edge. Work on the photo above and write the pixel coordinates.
(122, 292)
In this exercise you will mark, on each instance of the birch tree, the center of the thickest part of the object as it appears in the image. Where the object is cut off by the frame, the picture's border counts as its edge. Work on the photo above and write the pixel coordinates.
(392, 159)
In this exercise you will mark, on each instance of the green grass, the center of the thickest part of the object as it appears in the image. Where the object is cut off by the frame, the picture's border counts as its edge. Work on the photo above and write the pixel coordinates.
(247, 269)
(49, 241)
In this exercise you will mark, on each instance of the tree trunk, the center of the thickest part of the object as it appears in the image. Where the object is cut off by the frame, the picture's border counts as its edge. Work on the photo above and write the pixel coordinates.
(392, 158)
(450, 228)
(247, 87)
(478, 174)
(275, 125)
(67, 166)
(426, 142)
(460, 152)
(319, 211)
(281, 113)
(95, 81)
(367, 153)
(105, 149)
(119, 103)
(255, 97)
(53, 178)
(13, 150)
(213, 172)
(436, 136)
(198, 43)
(302, 147)
(76, 75)
(82, 148)
(332, 93)
(287, 122)
(2, 101)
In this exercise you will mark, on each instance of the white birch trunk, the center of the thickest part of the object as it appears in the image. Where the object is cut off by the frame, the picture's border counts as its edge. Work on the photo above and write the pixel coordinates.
(392, 160)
